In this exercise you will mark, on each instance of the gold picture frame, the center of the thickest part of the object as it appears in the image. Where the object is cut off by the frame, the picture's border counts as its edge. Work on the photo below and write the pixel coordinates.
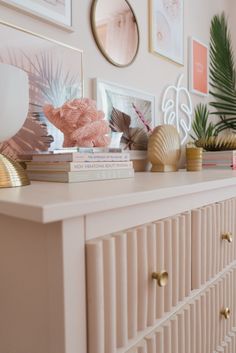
(166, 30)
(55, 72)
(100, 44)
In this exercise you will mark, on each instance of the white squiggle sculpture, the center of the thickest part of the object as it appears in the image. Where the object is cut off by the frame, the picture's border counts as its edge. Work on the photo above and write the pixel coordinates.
(178, 113)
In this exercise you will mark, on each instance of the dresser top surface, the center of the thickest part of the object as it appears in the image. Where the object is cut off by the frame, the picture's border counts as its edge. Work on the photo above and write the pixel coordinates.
(49, 202)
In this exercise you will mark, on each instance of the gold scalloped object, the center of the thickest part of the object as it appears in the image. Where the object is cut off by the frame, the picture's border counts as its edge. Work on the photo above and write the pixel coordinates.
(218, 143)
(164, 149)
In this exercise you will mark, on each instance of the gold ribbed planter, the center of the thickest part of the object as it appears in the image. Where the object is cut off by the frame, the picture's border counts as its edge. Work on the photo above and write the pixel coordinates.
(11, 173)
(193, 159)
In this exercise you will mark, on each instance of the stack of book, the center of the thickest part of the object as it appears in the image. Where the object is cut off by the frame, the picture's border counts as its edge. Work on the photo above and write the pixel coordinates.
(219, 160)
(80, 165)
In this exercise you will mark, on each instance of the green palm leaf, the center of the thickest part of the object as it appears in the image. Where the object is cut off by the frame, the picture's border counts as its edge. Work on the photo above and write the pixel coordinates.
(222, 74)
(201, 127)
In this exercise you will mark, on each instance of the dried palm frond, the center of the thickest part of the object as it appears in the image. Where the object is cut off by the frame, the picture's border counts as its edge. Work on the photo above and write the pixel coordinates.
(137, 139)
(48, 81)
(51, 84)
(33, 136)
(218, 143)
(133, 138)
(142, 118)
(120, 122)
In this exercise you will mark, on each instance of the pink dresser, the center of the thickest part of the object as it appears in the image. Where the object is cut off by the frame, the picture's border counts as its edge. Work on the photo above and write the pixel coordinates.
(146, 265)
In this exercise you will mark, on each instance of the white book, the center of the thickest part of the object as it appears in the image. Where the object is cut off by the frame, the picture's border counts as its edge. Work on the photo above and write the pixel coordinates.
(136, 154)
(76, 166)
(86, 149)
(217, 167)
(74, 177)
(219, 155)
(82, 157)
(217, 161)
(225, 152)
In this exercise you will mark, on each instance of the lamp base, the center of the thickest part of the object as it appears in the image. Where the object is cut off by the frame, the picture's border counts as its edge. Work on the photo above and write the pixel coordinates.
(11, 173)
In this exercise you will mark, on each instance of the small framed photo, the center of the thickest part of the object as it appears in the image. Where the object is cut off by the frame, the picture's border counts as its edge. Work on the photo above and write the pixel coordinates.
(167, 29)
(129, 111)
(58, 12)
(198, 67)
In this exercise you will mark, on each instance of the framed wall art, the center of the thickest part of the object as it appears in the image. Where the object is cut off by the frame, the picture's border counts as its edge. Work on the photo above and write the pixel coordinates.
(55, 74)
(128, 110)
(198, 67)
(58, 12)
(166, 19)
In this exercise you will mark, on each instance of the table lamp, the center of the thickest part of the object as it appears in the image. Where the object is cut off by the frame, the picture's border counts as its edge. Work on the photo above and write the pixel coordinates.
(14, 105)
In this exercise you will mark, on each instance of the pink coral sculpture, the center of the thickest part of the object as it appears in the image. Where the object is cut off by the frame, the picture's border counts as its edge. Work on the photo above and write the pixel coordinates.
(81, 123)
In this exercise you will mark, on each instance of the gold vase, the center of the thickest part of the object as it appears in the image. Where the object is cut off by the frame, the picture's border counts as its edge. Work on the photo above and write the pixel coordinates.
(164, 149)
(193, 159)
(11, 173)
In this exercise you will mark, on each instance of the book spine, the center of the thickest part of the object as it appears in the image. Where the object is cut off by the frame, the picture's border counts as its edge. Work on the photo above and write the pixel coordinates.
(102, 157)
(220, 153)
(82, 157)
(100, 165)
(73, 177)
(87, 149)
(75, 167)
(229, 165)
(217, 167)
(102, 175)
(218, 161)
(218, 156)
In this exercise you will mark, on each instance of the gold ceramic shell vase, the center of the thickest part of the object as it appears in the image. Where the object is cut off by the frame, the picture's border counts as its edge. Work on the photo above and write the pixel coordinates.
(164, 149)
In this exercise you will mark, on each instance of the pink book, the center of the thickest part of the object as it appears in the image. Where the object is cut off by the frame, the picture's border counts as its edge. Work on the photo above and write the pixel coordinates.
(82, 157)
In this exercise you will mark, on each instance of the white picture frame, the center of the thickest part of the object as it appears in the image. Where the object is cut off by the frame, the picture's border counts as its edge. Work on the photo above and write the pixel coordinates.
(102, 85)
(111, 95)
(166, 29)
(58, 12)
(198, 67)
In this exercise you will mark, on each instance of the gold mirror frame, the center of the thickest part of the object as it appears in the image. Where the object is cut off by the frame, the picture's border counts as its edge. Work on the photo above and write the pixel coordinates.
(98, 42)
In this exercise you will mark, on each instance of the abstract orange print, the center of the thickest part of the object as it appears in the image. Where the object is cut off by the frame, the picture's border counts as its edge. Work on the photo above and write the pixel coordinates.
(200, 68)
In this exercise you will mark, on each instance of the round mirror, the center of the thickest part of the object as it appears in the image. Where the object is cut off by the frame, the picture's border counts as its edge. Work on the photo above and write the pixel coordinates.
(115, 29)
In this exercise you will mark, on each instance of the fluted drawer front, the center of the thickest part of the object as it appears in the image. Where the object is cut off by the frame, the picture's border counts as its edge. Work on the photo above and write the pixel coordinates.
(213, 240)
(203, 326)
(133, 279)
(175, 336)
(226, 232)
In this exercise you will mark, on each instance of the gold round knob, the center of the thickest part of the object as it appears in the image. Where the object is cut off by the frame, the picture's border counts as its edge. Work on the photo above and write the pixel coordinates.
(161, 278)
(228, 237)
(226, 313)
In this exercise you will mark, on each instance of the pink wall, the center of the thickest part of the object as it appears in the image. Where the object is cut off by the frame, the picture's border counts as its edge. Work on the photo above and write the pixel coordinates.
(231, 10)
(149, 72)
